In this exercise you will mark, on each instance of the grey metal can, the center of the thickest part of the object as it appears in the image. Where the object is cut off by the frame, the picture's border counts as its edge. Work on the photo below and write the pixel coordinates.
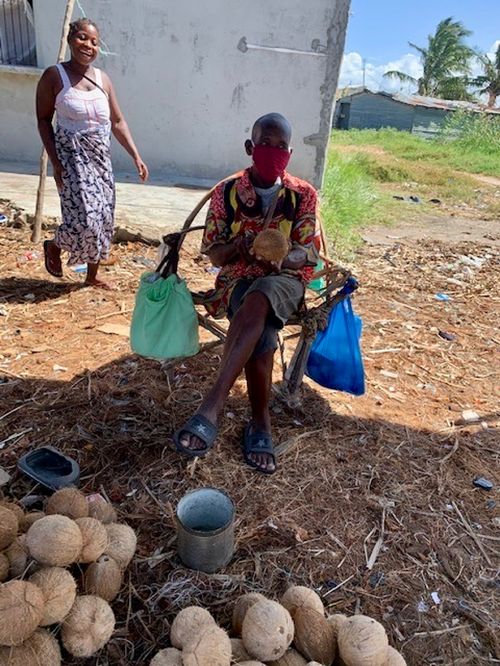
(205, 529)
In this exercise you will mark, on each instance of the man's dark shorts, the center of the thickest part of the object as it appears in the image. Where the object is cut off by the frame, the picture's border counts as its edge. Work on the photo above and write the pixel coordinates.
(285, 295)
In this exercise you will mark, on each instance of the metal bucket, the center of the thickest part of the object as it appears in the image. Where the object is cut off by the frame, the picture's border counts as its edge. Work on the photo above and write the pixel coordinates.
(205, 529)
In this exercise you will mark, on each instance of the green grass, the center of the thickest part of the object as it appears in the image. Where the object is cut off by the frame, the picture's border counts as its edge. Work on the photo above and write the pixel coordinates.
(365, 168)
(468, 142)
(349, 199)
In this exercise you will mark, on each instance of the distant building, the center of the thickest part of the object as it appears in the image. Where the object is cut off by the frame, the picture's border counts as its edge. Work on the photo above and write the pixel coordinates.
(360, 108)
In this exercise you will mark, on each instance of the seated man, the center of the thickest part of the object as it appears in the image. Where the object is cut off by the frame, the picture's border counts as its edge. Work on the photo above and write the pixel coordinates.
(258, 297)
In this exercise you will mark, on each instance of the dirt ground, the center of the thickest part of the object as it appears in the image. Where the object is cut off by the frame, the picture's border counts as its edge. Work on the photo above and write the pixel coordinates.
(395, 465)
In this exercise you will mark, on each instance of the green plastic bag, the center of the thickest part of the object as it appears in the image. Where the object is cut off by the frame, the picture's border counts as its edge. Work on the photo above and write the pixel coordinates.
(164, 322)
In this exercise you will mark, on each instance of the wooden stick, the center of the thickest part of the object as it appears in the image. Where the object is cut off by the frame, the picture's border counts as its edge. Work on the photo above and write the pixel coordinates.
(40, 195)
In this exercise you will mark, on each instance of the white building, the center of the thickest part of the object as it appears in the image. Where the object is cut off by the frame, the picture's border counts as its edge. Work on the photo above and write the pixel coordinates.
(192, 76)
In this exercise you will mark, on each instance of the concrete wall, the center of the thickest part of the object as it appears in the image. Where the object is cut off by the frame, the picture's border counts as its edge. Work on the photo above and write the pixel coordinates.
(190, 96)
(19, 140)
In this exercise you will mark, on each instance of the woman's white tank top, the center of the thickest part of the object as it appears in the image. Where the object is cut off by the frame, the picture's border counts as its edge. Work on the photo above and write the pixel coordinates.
(80, 110)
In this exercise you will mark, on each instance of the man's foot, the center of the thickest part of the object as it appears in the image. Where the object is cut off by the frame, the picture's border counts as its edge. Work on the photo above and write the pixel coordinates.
(52, 256)
(197, 436)
(258, 449)
(99, 284)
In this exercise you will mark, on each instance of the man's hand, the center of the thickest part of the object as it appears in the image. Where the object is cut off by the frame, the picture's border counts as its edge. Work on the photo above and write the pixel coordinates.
(243, 247)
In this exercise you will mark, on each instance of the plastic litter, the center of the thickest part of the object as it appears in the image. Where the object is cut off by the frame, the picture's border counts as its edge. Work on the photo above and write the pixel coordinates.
(451, 337)
(470, 416)
(422, 607)
(3, 219)
(484, 484)
(443, 297)
(27, 256)
(149, 263)
(436, 598)
(80, 268)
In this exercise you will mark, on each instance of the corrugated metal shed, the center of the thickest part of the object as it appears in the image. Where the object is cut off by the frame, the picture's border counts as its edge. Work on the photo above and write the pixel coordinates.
(362, 108)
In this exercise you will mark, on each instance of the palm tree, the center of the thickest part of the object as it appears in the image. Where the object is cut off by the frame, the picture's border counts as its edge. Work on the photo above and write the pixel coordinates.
(445, 61)
(489, 82)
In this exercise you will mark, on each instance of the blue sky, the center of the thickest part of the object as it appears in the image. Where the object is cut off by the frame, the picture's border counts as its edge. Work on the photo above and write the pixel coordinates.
(379, 30)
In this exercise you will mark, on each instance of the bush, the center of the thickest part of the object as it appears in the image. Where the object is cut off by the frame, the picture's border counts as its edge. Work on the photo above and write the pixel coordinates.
(348, 198)
(473, 131)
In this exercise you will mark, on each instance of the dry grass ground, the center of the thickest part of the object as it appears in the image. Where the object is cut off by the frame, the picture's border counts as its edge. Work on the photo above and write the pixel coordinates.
(397, 464)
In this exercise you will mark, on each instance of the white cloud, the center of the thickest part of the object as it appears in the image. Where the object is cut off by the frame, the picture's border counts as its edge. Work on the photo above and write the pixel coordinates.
(351, 72)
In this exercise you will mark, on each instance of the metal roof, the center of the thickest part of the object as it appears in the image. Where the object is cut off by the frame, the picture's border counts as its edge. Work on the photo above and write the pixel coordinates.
(421, 100)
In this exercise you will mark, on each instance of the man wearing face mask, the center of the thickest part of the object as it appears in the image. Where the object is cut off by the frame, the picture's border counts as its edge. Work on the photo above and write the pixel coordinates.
(258, 297)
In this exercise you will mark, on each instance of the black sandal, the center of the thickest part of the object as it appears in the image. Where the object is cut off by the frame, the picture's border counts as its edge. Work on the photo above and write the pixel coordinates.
(57, 274)
(200, 427)
(256, 441)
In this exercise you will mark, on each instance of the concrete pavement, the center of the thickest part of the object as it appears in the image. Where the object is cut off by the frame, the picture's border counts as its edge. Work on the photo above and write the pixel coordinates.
(148, 210)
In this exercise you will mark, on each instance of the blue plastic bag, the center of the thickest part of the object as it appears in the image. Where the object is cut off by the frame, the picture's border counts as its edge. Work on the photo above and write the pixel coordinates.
(335, 360)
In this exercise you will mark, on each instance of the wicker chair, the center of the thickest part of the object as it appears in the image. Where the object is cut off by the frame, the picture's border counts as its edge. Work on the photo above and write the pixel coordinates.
(339, 283)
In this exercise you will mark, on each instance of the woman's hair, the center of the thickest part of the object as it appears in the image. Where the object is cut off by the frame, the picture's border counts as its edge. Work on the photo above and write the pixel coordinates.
(77, 25)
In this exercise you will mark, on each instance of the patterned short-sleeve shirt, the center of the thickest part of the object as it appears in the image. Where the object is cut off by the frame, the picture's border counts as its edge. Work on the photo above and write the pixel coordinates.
(236, 210)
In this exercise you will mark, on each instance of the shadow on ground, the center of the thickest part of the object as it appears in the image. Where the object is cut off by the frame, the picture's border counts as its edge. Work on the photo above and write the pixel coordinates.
(345, 483)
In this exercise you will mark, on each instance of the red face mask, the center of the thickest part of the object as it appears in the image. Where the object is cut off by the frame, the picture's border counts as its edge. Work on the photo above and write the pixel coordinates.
(270, 161)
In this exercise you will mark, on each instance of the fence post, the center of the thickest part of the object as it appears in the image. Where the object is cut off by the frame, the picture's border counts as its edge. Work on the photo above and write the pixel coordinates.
(40, 195)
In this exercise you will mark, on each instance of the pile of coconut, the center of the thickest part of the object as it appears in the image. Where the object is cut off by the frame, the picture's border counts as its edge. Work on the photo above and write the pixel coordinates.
(59, 570)
(294, 632)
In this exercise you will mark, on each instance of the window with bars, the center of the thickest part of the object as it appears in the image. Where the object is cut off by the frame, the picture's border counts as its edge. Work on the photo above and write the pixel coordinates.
(17, 33)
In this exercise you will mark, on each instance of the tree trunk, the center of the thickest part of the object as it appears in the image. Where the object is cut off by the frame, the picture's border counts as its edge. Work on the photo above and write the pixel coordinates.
(492, 99)
(40, 195)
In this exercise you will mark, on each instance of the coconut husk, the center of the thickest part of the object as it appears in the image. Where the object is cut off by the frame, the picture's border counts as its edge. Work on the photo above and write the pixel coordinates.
(88, 627)
(290, 658)
(271, 245)
(54, 540)
(187, 623)
(103, 578)
(9, 525)
(41, 649)
(28, 519)
(209, 647)
(94, 537)
(267, 630)
(122, 542)
(241, 607)
(100, 509)
(299, 596)
(362, 639)
(21, 610)
(59, 592)
(69, 502)
(4, 567)
(167, 657)
(314, 637)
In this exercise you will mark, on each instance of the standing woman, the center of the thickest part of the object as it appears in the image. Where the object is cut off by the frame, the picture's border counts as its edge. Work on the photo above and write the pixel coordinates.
(87, 110)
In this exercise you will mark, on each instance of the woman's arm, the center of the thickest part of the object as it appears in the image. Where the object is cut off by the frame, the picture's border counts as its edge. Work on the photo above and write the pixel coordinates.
(121, 130)
(45, 106)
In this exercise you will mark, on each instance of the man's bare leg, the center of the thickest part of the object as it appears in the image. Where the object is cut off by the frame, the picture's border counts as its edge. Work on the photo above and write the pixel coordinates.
(244, 332)
(259, 374)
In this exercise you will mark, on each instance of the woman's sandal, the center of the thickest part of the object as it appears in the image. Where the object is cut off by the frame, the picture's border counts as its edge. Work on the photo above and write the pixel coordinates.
(201, 428)
(51, 271)
(256, 441)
